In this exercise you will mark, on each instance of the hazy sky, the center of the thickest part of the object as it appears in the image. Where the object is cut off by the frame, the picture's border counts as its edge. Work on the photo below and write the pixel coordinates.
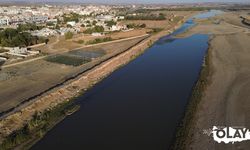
(131, 1)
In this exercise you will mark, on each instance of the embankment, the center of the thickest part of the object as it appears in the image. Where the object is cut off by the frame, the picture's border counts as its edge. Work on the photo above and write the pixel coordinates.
(64, 93)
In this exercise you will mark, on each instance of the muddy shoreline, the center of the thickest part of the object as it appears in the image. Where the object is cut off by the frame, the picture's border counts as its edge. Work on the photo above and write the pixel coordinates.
(184, 129)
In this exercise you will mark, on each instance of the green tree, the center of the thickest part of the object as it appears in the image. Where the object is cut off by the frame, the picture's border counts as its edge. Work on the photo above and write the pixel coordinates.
(28, 27)
(50, 24)
(12, 38)
(71, 17)
(68, 35)
(110, 23)
(94, 22)
(9, 33)
(98, 29)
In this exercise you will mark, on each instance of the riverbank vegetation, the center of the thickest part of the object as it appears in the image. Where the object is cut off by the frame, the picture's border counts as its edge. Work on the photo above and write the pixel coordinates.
(80, 41)
(136, 26)
(183, 130)
(36, 128)
(155, 30)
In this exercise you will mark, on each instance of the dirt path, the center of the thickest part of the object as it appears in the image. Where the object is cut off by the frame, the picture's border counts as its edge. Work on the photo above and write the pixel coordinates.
(50, 46)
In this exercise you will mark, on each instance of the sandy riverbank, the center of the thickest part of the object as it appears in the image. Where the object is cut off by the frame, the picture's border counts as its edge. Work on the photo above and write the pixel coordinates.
(225, 100)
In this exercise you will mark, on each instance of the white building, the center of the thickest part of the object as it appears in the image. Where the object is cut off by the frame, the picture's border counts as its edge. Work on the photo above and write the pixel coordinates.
(117, 28)
(105, 17)
(72, 23)
(120, 18)
(4, 20)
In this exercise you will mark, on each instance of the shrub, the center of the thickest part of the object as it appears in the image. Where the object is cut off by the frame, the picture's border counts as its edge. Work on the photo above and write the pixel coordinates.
(80, 41)
(68, 35)
(98, 40)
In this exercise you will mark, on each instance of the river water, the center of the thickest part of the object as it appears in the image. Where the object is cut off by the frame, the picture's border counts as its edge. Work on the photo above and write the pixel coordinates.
(139, 106)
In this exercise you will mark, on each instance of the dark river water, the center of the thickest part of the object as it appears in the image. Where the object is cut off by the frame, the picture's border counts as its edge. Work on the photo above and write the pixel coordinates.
(139, 106)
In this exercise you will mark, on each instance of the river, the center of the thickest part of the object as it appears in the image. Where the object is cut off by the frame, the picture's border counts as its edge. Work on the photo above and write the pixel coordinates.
(139, 106)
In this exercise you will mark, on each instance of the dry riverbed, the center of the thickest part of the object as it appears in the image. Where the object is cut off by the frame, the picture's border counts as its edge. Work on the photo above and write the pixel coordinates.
(225, 100)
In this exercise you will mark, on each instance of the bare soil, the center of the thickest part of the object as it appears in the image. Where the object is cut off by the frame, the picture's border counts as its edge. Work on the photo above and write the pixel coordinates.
(225, 101)
(21, 82)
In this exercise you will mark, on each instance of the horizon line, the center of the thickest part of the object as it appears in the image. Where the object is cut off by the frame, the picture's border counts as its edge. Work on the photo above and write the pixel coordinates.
(117, 3)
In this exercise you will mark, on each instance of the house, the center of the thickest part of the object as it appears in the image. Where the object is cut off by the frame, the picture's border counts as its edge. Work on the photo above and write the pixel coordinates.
(4, 20)
(115, 28)
(72, 23)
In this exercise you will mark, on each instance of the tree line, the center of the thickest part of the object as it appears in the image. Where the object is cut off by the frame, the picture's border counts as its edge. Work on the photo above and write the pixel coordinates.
(18, 37)
(146, 17)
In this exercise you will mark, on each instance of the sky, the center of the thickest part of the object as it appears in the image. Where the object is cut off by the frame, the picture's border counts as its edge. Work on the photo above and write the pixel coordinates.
(131, 1)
